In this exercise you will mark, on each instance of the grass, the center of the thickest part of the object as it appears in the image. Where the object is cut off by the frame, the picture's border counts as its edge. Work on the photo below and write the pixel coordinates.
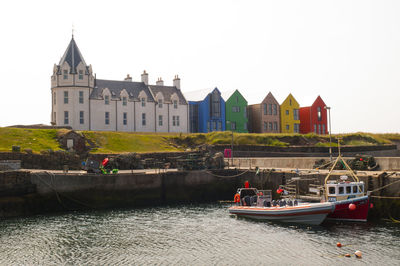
(118, 142)
(35, 139)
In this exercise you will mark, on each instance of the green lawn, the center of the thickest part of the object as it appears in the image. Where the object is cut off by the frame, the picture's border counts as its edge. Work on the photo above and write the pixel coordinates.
(118, 142)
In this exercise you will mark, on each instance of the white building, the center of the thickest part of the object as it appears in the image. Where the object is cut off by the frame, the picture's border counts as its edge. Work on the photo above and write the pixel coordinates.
(81, 101)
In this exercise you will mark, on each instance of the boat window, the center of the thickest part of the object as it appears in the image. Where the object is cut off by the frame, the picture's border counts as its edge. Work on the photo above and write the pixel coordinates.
(348, 190)
(361, 188)
(341, 190)
(331, 190)
(355, 189)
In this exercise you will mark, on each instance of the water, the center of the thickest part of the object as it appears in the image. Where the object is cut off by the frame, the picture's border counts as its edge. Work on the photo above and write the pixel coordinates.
(188, 235)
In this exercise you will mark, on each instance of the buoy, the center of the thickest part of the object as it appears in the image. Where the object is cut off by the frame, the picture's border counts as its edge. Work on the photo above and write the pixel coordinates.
(347, 255)
(371, 206)
(279, 190)
(358, 254)
(352, 207)
(339, 245)
(246, 184)
(236, 199)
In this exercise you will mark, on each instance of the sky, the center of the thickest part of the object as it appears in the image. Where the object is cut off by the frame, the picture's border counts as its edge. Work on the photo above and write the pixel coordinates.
(348, 52)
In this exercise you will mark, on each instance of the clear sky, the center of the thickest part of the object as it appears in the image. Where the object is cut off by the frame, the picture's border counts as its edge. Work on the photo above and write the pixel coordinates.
(348, 52)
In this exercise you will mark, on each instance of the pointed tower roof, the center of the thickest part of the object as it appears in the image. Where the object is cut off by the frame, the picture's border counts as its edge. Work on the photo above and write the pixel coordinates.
(72, 56)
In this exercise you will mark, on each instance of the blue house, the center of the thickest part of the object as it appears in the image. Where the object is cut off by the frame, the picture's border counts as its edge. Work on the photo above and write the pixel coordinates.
(207, 115)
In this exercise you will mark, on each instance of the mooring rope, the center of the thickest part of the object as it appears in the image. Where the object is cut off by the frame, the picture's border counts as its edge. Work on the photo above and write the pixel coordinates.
(385, 186)
(226, 176)
(58, 194)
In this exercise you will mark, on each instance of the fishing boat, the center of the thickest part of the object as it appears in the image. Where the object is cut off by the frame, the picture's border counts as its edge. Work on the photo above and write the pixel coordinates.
(251, 203)
(350, 201)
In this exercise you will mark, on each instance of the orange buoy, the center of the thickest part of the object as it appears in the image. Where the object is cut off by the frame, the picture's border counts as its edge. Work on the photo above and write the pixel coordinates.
(347, 255)
(236, 199)
(339, 245)
(352, 207)
(358, 254)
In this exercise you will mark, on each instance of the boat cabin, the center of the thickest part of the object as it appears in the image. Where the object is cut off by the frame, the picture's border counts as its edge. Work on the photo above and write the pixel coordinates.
(342, 190)
(254, 197)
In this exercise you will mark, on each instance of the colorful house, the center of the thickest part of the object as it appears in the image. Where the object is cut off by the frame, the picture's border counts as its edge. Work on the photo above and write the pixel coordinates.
(236, 113)
(314, 118)
(265, 117)
(207, 115)
(290, 119)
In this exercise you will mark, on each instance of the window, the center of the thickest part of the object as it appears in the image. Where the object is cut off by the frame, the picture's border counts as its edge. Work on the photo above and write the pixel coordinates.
(319, 113)
(275, 110)
(287, 112)
(80, 74)
(124, 101)
(160, 103)
(65, 74)
(208, 126)
(233, 125)
(160, 120)
(296, 128)
(214, 126)
(287, 127)
(143, 118)
(125, 118)
(296, 114)
(177, 120)
(341, 190)
(173, 121)
(348, 190)
(54, 98)
(290, 102)
(235, 109)
(332, 190)
(319, 129)
(215, 104)
(270, 108)
(265, 126)
(81, 117)
(143, 102)
(80, 96)
(270, 126)
(323, 129)
(265, 108)
(245, 112)
(66, 118)
(355, 190)
(275, 126)
(175, 104)
(107, 118)
(106, 99)
(245, 126)
(361, 188)
(55, 117)
(65, 97)
(237, 99)
(315, 128)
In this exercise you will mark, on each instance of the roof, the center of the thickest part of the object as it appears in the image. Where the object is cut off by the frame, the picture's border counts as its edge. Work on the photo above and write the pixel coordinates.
(115, 87)
(167, 92)
(72, 56)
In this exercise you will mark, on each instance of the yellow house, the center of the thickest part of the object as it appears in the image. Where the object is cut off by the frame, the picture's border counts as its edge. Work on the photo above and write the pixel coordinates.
(290, 118)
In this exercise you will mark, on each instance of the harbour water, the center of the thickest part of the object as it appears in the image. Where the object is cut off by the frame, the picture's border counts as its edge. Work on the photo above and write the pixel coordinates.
(189, 235)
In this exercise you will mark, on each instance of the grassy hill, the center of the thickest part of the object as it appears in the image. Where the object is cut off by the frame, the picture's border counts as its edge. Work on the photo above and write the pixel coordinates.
(118, 142)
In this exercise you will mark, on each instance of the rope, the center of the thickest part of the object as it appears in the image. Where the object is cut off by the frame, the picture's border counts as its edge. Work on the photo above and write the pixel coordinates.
(384, 197)
(385, 186)
(58, 194)
(226, 176)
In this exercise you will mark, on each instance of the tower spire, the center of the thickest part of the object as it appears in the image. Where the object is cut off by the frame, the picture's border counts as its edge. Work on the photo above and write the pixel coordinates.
(72, 30)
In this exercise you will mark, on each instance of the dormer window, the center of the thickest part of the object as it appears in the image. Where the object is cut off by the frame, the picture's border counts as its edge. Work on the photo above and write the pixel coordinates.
(80, 74)
(175, 104)
(124, 101)
(159, 103)
(143, 102)
(65, 74)
(106, 99)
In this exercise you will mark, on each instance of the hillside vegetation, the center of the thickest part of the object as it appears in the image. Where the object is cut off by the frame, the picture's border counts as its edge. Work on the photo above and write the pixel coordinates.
(118, 142)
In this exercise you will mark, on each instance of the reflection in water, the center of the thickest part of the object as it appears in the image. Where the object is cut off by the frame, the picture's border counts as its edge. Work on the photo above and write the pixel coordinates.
(188, 234)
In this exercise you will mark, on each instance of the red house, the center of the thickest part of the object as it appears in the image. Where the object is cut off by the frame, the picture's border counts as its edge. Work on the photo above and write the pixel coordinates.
(314, 118)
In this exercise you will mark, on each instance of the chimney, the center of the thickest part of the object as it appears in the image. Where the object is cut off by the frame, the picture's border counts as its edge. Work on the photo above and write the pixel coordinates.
(128, 78)
(160, 82)
(177, 82)
(145, 77)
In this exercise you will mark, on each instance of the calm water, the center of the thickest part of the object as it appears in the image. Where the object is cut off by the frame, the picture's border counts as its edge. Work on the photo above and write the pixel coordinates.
(189, 235)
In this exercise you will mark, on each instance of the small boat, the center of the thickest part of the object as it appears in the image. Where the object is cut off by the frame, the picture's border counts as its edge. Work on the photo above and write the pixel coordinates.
(351, 202)
(255, 204)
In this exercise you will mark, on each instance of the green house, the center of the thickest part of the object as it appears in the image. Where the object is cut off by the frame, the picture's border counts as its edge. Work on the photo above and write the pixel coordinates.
(236, 113)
